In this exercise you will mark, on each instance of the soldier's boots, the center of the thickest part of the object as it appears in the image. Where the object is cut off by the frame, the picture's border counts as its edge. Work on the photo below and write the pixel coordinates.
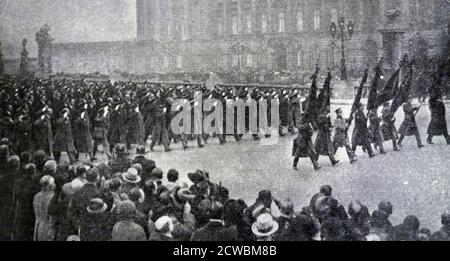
(430, 140)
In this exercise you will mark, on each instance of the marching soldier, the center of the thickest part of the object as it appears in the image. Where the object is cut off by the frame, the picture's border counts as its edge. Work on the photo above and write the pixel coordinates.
(409, 126)
(323, 144)
(136, 131)
(101, 126)
(160, 132)
(303, 146)
(82, 133)
(361, 134)
(341, 137)
(438, 123)
(42, 132)
(118, 130)
(64, 138)
(388, 127)
(376, 136)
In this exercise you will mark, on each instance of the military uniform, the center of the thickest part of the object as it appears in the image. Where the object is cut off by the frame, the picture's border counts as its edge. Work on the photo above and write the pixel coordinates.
(83, 136)
(388, 127)
(324, 145)
(438, 123)
(160, 132)
(341, 138)
(100, 135)
(361, 134)
(303, 146)
(43, 135)
(64, 139)
(409, 126)
(376, 136)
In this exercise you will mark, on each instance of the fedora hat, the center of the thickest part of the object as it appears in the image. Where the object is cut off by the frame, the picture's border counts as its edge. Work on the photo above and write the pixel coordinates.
(264, 226)
(96, 206)
(131, 176)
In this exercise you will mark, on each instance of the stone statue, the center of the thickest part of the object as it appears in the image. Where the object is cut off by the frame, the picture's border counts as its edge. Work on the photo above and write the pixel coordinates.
(44, 42)
(24, 59)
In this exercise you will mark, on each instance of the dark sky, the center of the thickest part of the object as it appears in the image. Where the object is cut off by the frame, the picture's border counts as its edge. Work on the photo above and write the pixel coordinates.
(70, 21)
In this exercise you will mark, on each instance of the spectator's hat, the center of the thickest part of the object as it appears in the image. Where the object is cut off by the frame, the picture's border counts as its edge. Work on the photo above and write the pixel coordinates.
(183, 195)
(131, 176)
(164, 224)
(264, 226)
(96, 206)
(286, 207)
(140, 150)
(321, 206)
(197, 177)
(121, 149)
(157, 174)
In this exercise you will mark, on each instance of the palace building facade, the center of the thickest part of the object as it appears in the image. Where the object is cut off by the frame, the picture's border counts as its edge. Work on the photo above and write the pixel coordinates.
(264, 35)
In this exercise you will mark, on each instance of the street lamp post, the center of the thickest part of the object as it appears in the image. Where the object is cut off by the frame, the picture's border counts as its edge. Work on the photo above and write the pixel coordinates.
(333, 31)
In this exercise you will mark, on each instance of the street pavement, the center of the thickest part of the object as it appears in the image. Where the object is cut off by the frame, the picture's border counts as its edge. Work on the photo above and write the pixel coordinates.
(415, 181)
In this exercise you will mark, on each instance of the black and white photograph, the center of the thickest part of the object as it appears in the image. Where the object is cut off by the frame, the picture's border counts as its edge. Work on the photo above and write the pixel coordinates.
(228, 121)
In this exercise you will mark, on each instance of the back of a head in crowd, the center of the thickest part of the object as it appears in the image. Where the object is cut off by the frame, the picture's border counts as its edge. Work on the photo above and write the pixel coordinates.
(172, 175)
(164, 224)
(50, 167)
(126, 210)
(445, 218)
(26, 157)
(386, 207)
(216, 210)
(411, 223)
(157, 173)
(233, 212)
(121, 149)
(39, 156)
(13, 162)
(265, 197)
(82, 170)
(355, 209)
(378, 219)
(30, 169)
(4, 152)
(47, 183)
(326, 190)
(140, 150)
(92, 175)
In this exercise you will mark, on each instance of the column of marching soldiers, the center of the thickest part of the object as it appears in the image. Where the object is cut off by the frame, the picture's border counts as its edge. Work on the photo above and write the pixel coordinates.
(81, 117)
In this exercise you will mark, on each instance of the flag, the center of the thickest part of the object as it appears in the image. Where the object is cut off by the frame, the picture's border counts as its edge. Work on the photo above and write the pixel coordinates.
(403, 92)
(358, 96)
(387, 93)
(311, 108)
(434, 90)
(324, 100)
(373, 93)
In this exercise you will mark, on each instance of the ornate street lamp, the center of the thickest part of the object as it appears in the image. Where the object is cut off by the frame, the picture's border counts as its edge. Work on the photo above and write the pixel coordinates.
(350, 31)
